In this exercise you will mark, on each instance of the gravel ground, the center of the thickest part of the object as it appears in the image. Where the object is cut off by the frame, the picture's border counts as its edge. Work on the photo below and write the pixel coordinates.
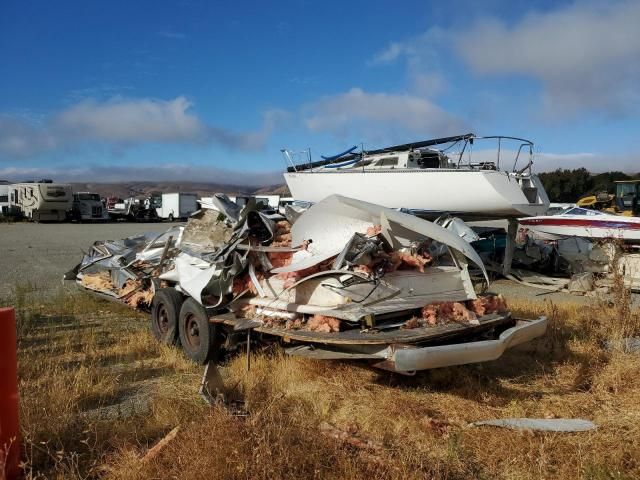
(39, 254)
(511, 289)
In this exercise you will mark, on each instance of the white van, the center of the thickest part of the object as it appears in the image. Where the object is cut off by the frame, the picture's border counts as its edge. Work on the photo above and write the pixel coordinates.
(175, 206)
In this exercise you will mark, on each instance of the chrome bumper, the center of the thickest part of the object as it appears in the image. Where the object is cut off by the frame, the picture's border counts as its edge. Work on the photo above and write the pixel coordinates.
(409, 359)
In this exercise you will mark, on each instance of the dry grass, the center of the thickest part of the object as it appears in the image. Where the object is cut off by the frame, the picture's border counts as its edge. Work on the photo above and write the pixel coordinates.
(91, 380)
(97, 391)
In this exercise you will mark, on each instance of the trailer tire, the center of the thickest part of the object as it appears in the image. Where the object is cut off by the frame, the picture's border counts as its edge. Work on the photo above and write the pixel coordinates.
(171, 217)
(165, 309)
(199, 338)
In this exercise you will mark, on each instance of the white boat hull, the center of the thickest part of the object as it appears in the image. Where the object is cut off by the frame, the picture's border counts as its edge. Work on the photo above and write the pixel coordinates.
(470, 193)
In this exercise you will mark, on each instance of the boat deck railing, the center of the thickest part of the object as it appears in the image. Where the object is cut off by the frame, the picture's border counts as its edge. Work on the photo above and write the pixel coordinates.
(524, 145)
(301, 160)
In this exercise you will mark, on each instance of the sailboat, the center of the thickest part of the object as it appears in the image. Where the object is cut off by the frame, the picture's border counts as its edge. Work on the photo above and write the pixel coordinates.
(426, 180)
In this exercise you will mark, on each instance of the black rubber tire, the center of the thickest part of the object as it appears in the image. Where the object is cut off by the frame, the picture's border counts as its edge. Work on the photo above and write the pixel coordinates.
(171, 217)
(165, 309)
(200, 339)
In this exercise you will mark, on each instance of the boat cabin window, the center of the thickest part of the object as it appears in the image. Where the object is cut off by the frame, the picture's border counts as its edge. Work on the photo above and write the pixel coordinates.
(361, 164)
(388, 162)
(582, 211)
(55, 192)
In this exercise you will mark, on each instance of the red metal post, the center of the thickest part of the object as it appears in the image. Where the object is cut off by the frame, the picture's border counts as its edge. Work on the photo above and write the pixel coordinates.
(9, 426)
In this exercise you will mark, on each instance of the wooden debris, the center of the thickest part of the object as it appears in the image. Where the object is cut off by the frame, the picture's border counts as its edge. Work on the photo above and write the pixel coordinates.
(154, 451)
(97, 281)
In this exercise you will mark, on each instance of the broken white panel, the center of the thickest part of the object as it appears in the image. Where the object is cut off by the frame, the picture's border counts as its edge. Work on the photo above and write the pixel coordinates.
(191, 273)
(629, 267)
(331, 223)
(460, 228)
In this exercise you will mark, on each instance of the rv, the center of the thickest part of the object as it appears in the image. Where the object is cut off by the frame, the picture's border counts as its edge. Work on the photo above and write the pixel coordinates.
(4, 200)
(88, 207)
(41, 201)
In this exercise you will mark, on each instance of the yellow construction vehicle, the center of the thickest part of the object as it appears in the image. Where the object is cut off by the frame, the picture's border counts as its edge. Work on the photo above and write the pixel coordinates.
(623, 202)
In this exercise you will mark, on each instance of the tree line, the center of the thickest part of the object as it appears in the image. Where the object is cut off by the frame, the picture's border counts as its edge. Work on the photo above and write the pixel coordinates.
(570, 185)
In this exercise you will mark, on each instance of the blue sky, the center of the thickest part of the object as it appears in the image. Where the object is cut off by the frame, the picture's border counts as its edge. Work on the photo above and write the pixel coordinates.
(212, 91)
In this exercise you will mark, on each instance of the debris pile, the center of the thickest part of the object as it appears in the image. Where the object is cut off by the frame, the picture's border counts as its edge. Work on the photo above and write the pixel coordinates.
(588, 265)
(338, 266)
(127, 269)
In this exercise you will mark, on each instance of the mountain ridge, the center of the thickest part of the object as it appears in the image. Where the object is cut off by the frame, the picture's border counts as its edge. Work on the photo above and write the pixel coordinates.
(134, 188)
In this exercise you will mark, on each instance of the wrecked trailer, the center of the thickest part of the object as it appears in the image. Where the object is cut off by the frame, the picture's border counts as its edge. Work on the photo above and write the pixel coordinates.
(346, 279)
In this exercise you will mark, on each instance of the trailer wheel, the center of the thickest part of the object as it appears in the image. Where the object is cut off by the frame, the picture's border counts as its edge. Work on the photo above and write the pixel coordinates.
(171, 217)
(200, 339)
(165, 309)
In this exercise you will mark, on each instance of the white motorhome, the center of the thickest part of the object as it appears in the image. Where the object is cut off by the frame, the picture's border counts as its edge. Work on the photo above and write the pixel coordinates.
(4, 199)
(174, 206)
(88, 207)
(41, 201)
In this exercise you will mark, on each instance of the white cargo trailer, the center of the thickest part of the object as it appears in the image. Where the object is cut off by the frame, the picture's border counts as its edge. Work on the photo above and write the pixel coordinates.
(174, 206)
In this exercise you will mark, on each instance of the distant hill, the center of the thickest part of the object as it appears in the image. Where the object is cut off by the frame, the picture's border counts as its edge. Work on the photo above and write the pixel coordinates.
(281, 190)
(127, 189)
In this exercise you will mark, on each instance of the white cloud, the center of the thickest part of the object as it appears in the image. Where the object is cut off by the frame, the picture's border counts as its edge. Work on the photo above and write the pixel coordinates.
(376, 114)
(159, 173)
(132, 121)
(121, 123)
(422, 52)
(429, 84)
(594, 162)
(586, 56)
(389, 54)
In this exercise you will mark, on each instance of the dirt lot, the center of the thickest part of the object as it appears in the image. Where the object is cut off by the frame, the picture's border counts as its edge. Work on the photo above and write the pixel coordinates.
(39, 254)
